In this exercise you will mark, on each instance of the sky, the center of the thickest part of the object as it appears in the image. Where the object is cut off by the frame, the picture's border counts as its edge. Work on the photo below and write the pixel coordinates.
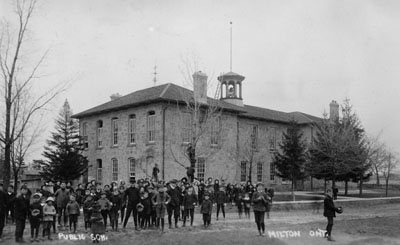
(295, 55)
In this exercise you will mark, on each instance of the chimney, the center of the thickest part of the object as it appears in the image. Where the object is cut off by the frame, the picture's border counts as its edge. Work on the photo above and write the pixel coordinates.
(115, 96)
(200, 87)
(333, 110)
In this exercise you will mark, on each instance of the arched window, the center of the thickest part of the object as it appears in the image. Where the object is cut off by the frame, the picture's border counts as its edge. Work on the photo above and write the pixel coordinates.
(132, 129)
(99, 136)
(114, 166)
(151, 126)
(186, 127)
(243, 171)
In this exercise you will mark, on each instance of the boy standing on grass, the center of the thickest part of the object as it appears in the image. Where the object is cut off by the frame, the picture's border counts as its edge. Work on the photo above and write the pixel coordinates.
(206, 209)
(116, 201)
(189, 201)
(36, 212)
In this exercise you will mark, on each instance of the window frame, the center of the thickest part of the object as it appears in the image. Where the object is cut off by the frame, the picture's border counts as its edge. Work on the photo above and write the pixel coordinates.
(114, 166)
(131, 162)
(114, 131)
(186, 127)
(99, 170)
(151, 126)
(243, 171)
(260, 172)
(99, 133)
(132, 129)
(272, 171)
(254, 137)
(272, 139)
(215, 131)
(201, 168)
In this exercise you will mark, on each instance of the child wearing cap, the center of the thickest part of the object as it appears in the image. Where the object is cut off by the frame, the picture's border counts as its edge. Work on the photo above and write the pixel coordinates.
(49, 212)
(189, 201)
(160, 201)
(260, 201)
(105, 206)
(96, 220)
(116, 201)
(73, 211)
(87, 210)
(206, 209)
(36, 212)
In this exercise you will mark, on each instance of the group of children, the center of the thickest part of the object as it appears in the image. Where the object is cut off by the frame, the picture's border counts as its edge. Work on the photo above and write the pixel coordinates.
(109, 203)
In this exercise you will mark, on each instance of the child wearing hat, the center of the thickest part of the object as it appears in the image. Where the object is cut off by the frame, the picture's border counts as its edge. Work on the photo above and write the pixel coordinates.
(260, 201)
(160, 201)
(96, 220)
(116, 201)
(206, 209)
(105, 206)
(49, 212)
(189, 202)
(36, 212)
(87, 210)
(73, 211)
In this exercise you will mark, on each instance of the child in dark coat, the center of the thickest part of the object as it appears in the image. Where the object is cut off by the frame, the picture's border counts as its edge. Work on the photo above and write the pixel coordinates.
(206, 209)
(96, 220)
(116, 203)
(36, 213)
(21, 205)
(87, 210)
(220, 199)
(73, 212)
(146, 202)
(189, 201)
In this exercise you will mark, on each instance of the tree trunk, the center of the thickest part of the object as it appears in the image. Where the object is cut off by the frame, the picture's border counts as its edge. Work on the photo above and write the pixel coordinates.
(311, 182)
(361, 183)
(250, 172)
(7, 160)
(377, 178)
(346, 187)
(387, 185)
(324, 185)
(293, 186)
(16, 181)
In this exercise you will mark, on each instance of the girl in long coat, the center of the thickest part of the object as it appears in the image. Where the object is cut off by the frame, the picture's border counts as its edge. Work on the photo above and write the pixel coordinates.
(329, 212)
(160, 201)
(260, 201)
(96, 220)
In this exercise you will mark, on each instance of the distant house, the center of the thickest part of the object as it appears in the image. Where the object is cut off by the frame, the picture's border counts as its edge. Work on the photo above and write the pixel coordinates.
(128, 135)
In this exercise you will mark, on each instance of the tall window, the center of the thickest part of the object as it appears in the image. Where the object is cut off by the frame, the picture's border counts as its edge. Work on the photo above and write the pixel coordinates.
(114, 125)
(201, 168)
(243, 171)
(272, 171)
(132, 166)
(215, 130)
(151, 126)
(254, 136)
(114, 169)
(100, 133)
(85, 135)
(132, 129)
(99, 176)
(186, 127)
(272, 139)
(259, 172)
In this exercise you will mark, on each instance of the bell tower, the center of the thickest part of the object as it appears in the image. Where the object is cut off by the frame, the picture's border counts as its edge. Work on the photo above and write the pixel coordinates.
(231, 88)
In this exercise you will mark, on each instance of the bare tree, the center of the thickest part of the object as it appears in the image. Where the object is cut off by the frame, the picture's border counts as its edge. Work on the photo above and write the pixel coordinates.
(388, 166)
(18, 81)
(377, 156)
(198, 118)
